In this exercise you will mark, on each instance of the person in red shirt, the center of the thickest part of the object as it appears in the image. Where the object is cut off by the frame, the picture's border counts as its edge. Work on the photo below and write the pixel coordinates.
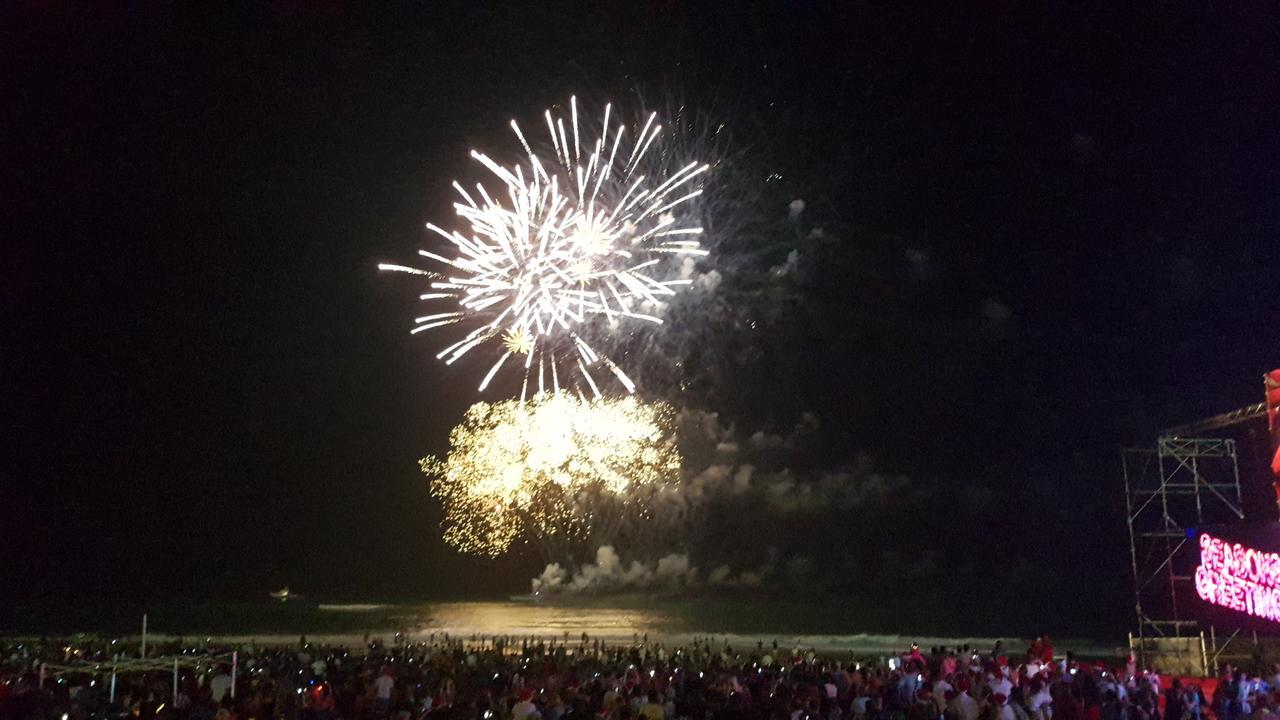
(1046, 649)
(916, 655)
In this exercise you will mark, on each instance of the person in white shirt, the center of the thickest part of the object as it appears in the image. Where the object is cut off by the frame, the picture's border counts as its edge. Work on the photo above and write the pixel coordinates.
(382, 688)
(941, 690)
(1245, 694)
(1003, 711)
(859, 707)
(1000, 684)
(963, 706)
(525, 709)
(219, 686)
(1040, 704)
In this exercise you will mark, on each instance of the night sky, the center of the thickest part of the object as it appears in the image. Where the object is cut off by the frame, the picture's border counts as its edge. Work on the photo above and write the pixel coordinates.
(1057, 234)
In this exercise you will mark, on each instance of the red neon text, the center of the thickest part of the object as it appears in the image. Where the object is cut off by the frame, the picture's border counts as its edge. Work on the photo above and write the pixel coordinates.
(1239, 577)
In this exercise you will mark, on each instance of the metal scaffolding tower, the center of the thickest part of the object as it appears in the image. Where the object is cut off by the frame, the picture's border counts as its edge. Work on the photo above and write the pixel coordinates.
(1171, 490)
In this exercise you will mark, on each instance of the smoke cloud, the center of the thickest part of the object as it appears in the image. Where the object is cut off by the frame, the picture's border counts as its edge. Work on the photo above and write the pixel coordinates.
(609, 574)
(738, 507)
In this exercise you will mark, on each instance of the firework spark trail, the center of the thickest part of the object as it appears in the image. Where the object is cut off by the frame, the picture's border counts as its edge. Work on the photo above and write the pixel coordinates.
(531, 468)
(568, 240)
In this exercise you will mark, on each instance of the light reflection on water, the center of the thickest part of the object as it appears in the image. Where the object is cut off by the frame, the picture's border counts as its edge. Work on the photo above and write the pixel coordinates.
(742, 623)
(672, 626)
(526, 619)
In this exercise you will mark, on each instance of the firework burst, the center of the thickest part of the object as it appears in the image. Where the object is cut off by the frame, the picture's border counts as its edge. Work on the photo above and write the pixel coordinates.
(539, 468)
(571, 235)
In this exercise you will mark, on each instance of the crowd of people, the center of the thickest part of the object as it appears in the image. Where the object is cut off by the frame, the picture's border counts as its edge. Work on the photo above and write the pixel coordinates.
(448, 678)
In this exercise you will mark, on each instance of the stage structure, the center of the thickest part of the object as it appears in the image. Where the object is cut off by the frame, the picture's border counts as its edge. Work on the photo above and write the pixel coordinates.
(1188, 481)
(1272, 382)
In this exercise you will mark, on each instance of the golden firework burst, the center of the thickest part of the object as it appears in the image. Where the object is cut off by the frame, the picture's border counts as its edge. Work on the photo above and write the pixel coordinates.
(516, 469)
(518, 341)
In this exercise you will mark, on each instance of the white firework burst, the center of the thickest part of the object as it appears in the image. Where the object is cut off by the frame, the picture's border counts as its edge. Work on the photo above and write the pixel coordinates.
(571, 235)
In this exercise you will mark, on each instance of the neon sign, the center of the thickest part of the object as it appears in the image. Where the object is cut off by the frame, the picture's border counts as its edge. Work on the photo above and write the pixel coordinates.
(1238, 577)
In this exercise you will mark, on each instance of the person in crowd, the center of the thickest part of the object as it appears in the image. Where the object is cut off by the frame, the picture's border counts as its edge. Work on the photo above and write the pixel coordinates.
(1040, 703)
(524, 708)
(923, 707)
(654, 708)
(383, 687)
(965, 705)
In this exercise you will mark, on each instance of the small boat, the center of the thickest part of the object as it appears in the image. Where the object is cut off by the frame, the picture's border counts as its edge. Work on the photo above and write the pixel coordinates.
(285, 595)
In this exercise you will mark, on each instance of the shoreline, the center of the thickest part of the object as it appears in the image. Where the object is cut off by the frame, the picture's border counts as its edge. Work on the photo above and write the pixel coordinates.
(614, 625)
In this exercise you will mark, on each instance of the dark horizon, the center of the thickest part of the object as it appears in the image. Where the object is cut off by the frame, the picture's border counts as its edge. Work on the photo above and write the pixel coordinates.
(1055, 234)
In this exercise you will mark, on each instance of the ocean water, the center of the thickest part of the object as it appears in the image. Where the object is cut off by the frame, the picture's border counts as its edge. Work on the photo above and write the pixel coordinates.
(830, 627)
(742, 625)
